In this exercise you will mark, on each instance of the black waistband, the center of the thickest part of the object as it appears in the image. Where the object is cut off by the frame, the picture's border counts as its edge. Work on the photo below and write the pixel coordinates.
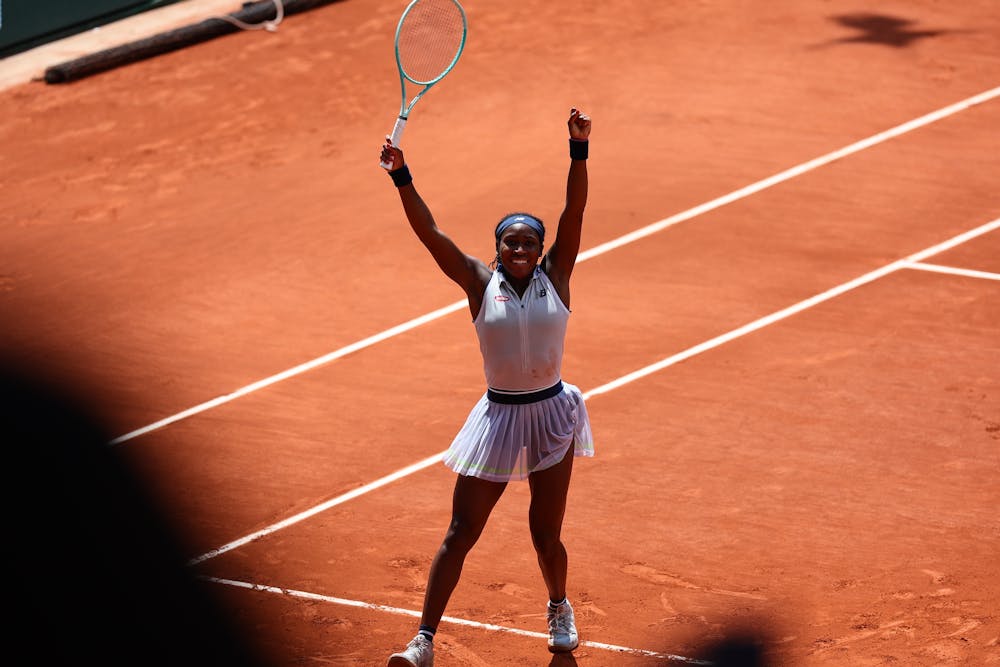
(529, 397)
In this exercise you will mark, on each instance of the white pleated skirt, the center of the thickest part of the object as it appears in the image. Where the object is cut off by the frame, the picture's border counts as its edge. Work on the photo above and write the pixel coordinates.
(501, 442)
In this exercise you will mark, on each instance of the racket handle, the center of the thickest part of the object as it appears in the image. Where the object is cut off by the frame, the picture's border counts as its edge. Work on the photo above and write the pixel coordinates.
(397, 133)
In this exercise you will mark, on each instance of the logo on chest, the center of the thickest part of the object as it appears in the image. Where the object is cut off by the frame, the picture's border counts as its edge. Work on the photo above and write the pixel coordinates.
(501, 297)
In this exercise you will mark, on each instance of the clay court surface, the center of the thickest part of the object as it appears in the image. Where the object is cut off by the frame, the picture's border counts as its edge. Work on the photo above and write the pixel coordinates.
(179, 229)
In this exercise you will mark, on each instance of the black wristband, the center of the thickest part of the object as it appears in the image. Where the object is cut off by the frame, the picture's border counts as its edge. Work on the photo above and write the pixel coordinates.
(578, 149)
(401, 176)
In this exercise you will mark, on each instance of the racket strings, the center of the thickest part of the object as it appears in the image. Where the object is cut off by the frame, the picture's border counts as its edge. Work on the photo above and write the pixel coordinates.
(430, 38)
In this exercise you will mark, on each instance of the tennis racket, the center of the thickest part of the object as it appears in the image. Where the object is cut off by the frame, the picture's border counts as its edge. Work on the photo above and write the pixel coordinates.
(429, 39)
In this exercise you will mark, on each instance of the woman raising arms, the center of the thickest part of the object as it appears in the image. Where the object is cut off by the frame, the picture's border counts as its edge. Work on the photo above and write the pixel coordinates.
(529, 423)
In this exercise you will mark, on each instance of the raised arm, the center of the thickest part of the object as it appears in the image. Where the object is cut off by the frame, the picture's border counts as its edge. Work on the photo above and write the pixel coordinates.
(469, 272)
(561, 258)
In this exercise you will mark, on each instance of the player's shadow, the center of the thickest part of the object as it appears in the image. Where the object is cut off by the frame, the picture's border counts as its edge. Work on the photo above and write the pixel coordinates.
(883, 30)
(562, 660)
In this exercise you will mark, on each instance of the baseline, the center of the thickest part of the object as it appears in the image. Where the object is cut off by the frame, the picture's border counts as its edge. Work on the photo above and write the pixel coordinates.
(446, 619)
(907, 262)
(631, 237)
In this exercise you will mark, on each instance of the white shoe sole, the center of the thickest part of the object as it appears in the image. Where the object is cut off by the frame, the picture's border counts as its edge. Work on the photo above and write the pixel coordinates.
(563, 649)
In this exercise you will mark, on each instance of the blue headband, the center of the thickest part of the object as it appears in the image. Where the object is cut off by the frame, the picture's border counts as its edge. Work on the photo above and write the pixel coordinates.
(529, 220)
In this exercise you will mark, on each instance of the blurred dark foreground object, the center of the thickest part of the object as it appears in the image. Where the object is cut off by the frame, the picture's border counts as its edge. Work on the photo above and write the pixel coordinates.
(93, 573)
(738, 649)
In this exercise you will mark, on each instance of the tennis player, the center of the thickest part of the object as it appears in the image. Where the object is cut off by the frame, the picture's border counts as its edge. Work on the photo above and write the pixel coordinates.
(529, 423)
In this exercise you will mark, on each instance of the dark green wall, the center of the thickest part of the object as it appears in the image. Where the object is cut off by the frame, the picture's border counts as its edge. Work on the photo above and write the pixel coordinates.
(25, 24)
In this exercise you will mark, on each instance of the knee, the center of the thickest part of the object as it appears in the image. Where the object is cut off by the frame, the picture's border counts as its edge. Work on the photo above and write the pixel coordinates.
(546, 541)
(461, 536)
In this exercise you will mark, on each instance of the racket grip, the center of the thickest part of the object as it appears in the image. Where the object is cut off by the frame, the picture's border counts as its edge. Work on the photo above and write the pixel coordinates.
(397, 134)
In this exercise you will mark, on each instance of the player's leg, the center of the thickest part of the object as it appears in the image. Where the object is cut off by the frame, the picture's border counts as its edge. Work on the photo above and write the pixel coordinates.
(549, 488)
(472, 502)
(545, 516)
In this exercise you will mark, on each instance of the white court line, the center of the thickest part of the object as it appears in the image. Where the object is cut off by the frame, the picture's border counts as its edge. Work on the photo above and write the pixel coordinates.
(322, 507)
(788, 174)
(636, 375)
(968, 273)
(631, 237)
(447, 619)
(296, 370)
(912, 260)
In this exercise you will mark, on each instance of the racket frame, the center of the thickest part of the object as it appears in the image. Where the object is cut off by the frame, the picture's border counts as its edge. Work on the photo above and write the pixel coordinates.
(407, 105)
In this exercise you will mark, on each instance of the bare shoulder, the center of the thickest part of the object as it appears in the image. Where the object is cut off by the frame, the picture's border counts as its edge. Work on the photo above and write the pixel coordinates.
(481, 276)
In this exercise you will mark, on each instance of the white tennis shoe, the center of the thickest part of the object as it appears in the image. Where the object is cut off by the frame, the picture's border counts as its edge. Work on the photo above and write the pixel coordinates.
(562, 628)
(418, 653)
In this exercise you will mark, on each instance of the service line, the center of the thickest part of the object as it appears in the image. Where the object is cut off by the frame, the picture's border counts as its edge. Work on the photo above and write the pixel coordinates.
(955, 271)
(631, 237)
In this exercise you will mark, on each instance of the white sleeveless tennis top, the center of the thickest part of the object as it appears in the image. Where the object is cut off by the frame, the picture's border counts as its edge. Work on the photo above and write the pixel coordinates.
(521, 338)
